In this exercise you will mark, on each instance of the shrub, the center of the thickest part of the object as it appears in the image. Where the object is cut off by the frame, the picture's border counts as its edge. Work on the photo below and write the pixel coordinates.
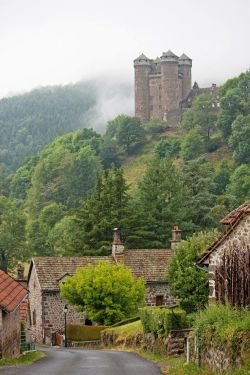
(213, 144)
(78, 332)
(224, 326)
(160, 321)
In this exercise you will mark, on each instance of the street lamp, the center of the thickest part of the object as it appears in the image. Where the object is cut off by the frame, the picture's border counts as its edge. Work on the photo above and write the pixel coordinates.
(65, 310)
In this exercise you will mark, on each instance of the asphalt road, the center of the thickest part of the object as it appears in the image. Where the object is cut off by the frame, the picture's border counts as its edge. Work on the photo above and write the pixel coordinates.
(85, 362)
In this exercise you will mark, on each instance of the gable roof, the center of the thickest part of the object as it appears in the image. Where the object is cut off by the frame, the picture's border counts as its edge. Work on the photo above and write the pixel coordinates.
(142, 57)
(12, 292)
(50, 270)
(231, 220)
(150, 264)
(184, 57)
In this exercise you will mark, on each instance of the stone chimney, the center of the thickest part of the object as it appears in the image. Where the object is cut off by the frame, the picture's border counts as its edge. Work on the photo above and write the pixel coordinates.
(176, 237)
(20, 272)
(117, 245)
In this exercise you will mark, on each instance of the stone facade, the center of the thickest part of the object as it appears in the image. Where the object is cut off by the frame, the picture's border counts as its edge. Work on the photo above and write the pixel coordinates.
(158, 293)
(9, 334)
(240, 235)
(46, 312)
(161, 84)
(236, 234)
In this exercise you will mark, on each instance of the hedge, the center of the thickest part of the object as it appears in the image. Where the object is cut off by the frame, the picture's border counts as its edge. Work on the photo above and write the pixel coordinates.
(160, 321)
(78, 332)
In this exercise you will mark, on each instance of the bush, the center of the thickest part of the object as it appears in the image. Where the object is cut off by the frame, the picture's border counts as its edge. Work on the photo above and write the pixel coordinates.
(78, 332)
(224, 326)
(213, 144)
(160, 321)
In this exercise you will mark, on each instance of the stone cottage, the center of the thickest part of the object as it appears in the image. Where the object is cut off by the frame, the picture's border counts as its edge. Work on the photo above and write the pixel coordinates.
(236, 235)
(12, 294)
(47, 273)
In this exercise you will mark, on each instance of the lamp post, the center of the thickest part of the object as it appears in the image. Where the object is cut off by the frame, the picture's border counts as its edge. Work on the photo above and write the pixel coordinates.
(65, 310)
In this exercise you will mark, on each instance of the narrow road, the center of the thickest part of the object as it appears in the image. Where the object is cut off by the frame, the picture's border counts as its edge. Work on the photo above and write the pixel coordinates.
(85, 362)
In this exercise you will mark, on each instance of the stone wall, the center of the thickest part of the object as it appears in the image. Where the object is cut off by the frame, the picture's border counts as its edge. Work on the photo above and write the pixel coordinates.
(159, 289)
(35, 320)
(241, 234)
(9, 334)
(53, 306)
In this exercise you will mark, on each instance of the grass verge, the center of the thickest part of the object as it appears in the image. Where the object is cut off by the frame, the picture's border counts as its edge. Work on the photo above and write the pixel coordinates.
(25, 359)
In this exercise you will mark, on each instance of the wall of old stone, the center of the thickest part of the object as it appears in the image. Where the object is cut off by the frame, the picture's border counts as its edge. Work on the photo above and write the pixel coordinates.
(241, 234)
(53, 306)
(142, 92)
(159, 289)
(35, 320)
(10, 334)
(155, 104)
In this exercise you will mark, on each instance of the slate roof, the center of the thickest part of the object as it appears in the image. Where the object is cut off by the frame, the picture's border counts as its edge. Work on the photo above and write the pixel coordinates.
(150, 264)
(12, 292)
(142, 57)
(169, 54)
(184, 57)
(231, 220)
(50, 270)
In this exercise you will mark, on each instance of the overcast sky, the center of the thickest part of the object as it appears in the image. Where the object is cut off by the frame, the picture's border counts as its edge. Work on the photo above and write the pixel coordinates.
(46, 42)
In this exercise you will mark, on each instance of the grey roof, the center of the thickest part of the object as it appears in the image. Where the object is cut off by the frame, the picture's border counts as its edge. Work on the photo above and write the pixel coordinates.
(142, 57)
(169, 54)
(157, 60)
(184, 57)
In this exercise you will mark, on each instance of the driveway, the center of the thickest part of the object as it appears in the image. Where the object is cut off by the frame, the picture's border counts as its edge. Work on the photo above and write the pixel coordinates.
(85, 362)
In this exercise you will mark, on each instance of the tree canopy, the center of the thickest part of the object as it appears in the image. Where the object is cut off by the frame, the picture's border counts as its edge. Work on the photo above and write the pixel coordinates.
(108, 292)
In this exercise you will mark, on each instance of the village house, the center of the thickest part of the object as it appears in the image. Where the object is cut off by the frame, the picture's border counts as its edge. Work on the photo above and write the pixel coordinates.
(47, 273)
(12, 294)
(236, 237)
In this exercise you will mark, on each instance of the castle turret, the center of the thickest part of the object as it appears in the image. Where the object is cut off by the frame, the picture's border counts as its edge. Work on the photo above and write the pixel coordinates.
(117, 244)
(185, 67)
(169, 82)
(142, 67)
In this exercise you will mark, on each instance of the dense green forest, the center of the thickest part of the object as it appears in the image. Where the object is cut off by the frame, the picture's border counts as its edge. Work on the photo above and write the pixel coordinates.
(68, 197)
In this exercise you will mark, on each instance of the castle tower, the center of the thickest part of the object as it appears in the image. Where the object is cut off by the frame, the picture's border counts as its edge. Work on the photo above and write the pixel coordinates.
(142, 66)
(185, 67)
(169, 82)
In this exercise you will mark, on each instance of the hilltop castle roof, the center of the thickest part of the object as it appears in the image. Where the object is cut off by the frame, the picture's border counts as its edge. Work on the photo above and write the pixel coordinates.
(142, 57)
(184, 57)
(169, 54)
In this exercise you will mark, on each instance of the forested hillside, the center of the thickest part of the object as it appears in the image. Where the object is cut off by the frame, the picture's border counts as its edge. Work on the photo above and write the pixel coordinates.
(73, 192)
(30, 121)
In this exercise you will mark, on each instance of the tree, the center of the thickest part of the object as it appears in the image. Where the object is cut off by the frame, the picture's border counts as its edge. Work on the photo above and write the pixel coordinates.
(239, 140)
(128, 132)
(108, 292)
(187, 282)
(192, 145)
(201, 116)
(167, 147)
(38, 230)
(12, 234)
(155, 126)
(239, 184)
(162, 202)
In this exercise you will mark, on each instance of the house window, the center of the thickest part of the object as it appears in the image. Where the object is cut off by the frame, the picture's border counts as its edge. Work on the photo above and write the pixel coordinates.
(159, 300)
(34, 317)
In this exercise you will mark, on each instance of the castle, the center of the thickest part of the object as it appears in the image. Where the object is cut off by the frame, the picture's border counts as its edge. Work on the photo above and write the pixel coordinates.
(161, 85)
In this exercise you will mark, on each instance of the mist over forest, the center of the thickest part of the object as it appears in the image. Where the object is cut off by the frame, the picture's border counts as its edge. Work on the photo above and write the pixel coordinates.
(32, 120)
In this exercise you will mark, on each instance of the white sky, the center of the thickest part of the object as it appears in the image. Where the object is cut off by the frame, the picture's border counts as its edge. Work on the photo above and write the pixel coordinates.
(45, 42)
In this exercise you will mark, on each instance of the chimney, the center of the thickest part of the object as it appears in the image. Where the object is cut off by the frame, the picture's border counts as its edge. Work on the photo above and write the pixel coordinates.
(117, 245)
(20, 272)
(176, 237)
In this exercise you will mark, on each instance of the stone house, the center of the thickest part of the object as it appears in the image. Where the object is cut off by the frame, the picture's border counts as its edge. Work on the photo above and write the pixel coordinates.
(236, 234)
(12, 294)
(47, 273)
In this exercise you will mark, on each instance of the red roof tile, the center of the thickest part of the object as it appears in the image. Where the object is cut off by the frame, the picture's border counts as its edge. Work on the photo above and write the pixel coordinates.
(11, 292)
